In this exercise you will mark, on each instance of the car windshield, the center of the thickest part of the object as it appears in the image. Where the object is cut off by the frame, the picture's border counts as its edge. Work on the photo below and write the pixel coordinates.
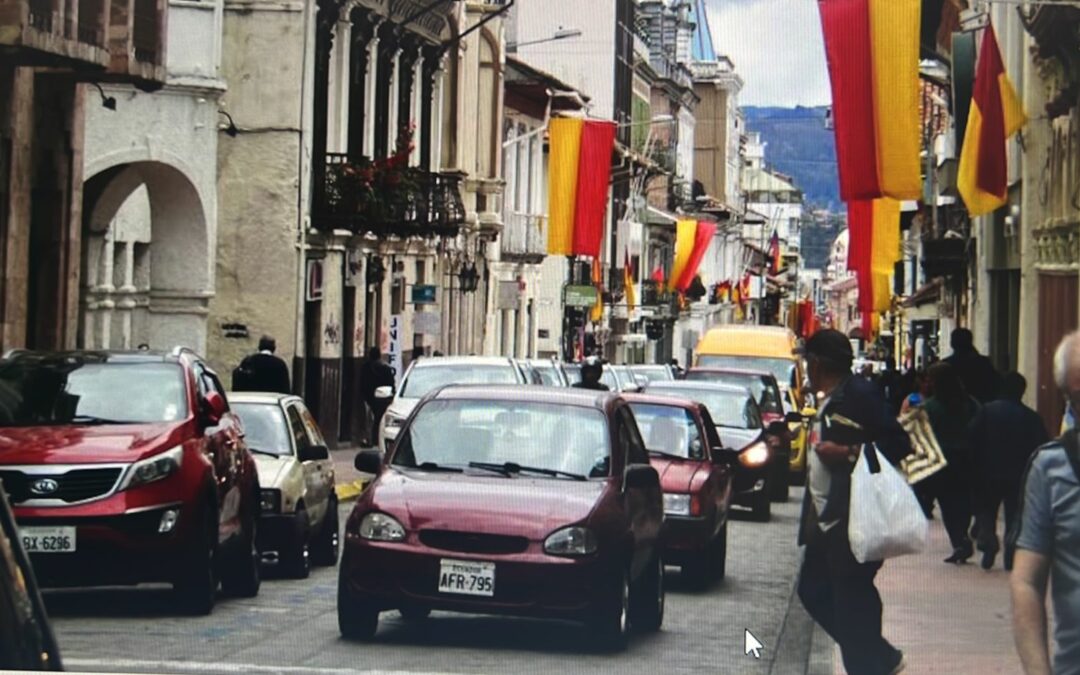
(265, 429)
(423, 379)
(607, 376)
(727, 408)
(668, 429)
(767, 396)
(67, 390)
(546, 436)
(782, 369)
(547, 373)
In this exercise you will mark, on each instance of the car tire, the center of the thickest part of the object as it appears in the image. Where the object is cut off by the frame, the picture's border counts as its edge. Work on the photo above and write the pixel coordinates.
(647, 599)
(357, 619)
(611, 627)
(327, 543)
(297, 562)
(242, 578)
(196, 589)
(720, 554)
(414, 613)
(762, 506)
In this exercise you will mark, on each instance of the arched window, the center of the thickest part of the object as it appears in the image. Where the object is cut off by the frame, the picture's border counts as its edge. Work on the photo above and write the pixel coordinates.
(487, 102)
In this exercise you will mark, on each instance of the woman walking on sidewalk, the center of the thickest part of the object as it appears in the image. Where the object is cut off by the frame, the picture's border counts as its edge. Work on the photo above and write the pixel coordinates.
(952, 412)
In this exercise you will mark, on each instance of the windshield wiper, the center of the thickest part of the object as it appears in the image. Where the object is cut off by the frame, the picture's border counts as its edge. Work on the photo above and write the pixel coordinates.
(511, 468)
(93, 419)
(432, 466)
(260, 451)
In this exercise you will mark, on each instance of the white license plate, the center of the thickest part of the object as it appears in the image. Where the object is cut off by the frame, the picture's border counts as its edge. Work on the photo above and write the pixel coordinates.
(48, 539)
(465, 577)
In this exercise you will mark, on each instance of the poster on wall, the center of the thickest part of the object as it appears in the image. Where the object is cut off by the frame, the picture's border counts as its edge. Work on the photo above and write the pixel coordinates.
(397, 329)
(314, 280)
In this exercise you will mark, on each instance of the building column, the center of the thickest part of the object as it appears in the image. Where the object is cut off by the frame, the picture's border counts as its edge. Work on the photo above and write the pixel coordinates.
(395, 81)
(371, 92)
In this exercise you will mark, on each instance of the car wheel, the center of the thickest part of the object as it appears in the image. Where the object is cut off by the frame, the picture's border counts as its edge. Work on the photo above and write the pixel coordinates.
(720, 553)
(327, 543)
(647, 599)
(242, 578)
(612, 626)
(297, 562)
(762, 508)
(196, 589)
(415, 613)
(357, 620)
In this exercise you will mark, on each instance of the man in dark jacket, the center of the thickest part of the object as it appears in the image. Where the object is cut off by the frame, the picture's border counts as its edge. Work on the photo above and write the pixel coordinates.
(1005, 434)
(374, 374)
(980, 378)
(592, 369)
(836, 589)
(263, 371)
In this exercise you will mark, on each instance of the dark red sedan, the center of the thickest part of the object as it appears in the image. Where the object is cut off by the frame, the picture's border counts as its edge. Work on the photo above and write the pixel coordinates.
(520, 500)
(696, 475)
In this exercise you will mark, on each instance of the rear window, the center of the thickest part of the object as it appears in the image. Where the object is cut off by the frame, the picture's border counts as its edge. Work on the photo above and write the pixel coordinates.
(424, 379)
(765, 392)
(782, 369)
(727, 408)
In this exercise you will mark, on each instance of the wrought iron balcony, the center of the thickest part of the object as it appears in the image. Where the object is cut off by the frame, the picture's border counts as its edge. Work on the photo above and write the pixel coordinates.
(524, 238)
(387, 200)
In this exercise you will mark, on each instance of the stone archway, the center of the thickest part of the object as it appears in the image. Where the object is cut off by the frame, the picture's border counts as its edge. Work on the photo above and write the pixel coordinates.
(147, 260)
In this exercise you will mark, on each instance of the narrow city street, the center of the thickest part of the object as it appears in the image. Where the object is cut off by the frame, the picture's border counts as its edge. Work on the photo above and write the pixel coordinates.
(292, 627)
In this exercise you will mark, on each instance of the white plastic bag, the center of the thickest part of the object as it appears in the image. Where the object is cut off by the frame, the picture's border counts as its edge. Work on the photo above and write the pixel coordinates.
(885, 519)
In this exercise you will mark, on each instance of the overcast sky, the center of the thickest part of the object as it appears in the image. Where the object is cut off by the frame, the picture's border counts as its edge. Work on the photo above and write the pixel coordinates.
(776, 47)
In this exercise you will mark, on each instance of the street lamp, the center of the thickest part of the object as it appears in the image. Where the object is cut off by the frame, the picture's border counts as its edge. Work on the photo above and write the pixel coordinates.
(469, 278)
(561, 34)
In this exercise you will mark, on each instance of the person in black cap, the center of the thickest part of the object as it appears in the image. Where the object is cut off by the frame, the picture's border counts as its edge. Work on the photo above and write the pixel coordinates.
(836, 589)
(592, 369)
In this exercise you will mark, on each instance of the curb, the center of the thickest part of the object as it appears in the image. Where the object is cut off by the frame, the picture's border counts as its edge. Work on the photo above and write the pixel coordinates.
(347, 492)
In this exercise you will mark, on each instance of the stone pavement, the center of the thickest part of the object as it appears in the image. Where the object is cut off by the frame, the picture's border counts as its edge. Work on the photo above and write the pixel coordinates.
(947, 619)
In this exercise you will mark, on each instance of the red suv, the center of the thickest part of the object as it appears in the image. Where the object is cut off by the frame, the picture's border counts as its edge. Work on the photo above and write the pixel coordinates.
(126, 468)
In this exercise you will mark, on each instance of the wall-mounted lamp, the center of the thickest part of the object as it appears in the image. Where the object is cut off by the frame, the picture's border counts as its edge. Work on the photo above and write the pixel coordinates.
(107, 102)
(469, 278)
(231, 131)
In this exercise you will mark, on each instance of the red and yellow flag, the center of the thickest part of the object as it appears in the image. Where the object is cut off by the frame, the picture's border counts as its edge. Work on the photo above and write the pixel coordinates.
(597, 311)
(692, 239)
(628, 282)
(579, 169)
(872, 49)
(873, 250)
(996, 114)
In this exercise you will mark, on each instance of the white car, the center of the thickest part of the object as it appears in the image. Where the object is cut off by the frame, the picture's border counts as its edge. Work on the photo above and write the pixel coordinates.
(299, 512)
(429, 373)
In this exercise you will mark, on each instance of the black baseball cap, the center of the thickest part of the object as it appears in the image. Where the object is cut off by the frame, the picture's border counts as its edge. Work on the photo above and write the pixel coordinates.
(831, 345)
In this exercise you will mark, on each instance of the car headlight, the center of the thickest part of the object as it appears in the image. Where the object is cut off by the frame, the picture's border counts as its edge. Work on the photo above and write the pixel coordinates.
(677, 505)
(392, 425)
(755, 455)
(381, 527)
(571, 541)
(153, 468)
(270, 500)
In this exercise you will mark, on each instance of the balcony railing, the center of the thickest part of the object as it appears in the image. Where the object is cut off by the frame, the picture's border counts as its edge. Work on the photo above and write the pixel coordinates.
(524, 237)
(363, 196)
(55, 33)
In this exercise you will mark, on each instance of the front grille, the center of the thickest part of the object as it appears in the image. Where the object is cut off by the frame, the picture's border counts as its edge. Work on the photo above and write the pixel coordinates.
(76, 485)
(471, 542)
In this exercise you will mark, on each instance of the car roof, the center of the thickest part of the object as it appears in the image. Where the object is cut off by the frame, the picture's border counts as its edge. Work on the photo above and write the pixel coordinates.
(733, 371)
(264, 397)
(692, 384)
(670, 401)
(427, 361)
(532, 393)
(94, 356)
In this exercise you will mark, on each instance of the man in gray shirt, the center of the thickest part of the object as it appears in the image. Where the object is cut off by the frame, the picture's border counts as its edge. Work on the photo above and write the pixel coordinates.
(1048, 541)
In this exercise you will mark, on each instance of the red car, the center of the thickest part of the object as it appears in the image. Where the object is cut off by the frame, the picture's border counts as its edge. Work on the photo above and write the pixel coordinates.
(696, 474)
(520, 500)
(129, 467)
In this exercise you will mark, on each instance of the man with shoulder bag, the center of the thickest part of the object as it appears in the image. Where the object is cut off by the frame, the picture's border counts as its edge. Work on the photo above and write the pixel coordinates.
(837, 590)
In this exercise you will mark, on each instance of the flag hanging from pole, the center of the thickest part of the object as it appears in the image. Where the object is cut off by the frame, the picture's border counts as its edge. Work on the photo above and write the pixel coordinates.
(565, 148)
(579, 169)
(628, 282)
(685, 232)
(774, 252)
(597, 312)
(996, 114)
(703, 233)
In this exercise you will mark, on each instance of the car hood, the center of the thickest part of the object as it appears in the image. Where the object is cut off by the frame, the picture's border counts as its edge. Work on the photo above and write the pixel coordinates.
(528, 507)
(737, 439)
(82, 444)
(676, 475)
(402, 407)
(272, 470)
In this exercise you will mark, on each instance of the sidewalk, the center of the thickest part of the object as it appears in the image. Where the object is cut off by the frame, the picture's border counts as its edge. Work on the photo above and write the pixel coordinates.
(350, 482)
(946, 618)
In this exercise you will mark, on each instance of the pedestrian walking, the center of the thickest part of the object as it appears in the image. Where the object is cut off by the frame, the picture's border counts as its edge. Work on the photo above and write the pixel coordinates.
(262, 371)
(592, 369)
(1004, 436)
(375, 373)
(836, 589)
(952, 412)
(978, 374)
(1046, 537)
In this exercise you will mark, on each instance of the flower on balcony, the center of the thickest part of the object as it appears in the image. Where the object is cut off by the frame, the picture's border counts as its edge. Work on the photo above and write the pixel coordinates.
(382, 189)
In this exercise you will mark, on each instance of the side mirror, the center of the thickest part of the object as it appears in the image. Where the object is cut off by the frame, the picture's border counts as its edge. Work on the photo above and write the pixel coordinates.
(793, 418)
(641, 477)
(384, 392)
(368, 461)
(315, 453)
(214, 408)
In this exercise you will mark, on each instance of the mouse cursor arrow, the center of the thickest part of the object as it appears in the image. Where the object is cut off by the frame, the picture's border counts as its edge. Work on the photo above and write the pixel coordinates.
(752, 645)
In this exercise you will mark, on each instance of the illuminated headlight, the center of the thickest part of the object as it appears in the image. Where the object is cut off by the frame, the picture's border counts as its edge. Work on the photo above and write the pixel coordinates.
(153, 468)
(381, 527)
(677, 505)
(754, 456)
(571, 541)
(270, 500)
(392, 426)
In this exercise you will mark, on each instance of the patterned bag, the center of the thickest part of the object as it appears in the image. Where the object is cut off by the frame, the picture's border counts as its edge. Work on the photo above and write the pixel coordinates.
(926, 458)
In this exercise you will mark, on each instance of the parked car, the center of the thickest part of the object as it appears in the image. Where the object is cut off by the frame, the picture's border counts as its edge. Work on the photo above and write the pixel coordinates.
(780, 426)
(735, 412)
(628, 382)
(129, 467)
(551, 372)
(25, 632)
(528, 372)
(615, 377)
(299, 521)
(528, 501)
(654, 372)
(427, 374)
(696, 474)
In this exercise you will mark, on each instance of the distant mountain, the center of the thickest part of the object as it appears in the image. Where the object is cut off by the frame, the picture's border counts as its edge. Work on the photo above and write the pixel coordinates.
(799, 145)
